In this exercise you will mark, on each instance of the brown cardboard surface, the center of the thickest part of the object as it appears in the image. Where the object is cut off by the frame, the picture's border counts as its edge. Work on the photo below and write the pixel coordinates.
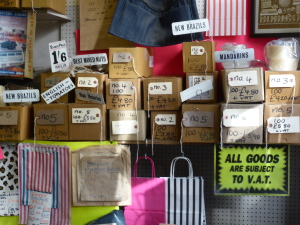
(281, 110)
(95, 20)
(162, 101)
(128, 115)
(24, 123)
(48, 80)
(58, 132)
(243, 134)
(202, 134)
(10, 3)
(138, 67)
(282, 95)
(243, 94)
(124, 102)
(165, 132)
(213, 93)
(55, 5)
(199, 63)
(100, 89)
(88, 131)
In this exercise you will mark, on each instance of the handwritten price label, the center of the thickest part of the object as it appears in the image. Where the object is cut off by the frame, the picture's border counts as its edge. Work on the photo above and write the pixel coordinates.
(9, 117)
(283, 125)
(242, 78)
(122, 57)
(198, 119)
(241, 117)
(86, 115)
(58, 56)
(121, 88)
(160, 88)
(165, 119)
(286, 80)
(51, 81)
(197, 50)
(125, 127)
(87, 82)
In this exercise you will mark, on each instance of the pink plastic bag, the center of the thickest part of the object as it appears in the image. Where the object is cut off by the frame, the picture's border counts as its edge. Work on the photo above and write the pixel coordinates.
(148, 199)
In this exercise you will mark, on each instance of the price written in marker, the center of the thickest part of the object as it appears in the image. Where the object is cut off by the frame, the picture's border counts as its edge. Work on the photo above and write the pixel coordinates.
(241, 117)
(284, 125)
(121, 88)
(122, 57)
(286, 80)
(58, 56)
(242, 78)
(160, 88)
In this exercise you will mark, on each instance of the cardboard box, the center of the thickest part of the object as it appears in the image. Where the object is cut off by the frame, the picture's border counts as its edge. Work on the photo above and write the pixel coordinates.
(55, 5)
(196, 78)
(286, 129)
(124, 94)
(201, 123)
(284, 87)
(51, 122)
(91, 82)
(127, 125)
(242, 123)
(165, 125)
(162, 93)
(16, 123)
(243, 85)
(10, 3)
(135, 62)
(198, 56)
(48, 80)
(87, 122)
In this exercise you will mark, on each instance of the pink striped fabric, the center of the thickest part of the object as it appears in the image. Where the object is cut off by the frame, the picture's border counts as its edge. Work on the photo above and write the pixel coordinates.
(226, 17)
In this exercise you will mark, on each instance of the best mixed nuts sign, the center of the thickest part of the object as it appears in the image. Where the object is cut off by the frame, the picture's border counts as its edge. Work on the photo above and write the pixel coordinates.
(252, 170)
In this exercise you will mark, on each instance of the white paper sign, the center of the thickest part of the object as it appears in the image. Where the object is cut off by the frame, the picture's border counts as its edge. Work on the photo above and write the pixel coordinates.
(14, 96)
(58, 90)
(89, 96)
(122, 57)
(160, 88)
(191, 26)
(86, 115)
(39, 208)
(283, 125)
(232, 56)
(197, 50)
(242, 78)
(87, 82)
(9, 203)
(193, 80)
(165, 119)
(282, 80)
(92, 59)
(241, 117)
(121, 88)
(125, 127)
(58, 56)
(198, 89)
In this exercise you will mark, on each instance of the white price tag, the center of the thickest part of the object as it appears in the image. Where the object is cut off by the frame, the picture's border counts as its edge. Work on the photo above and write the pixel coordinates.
(121, 88)
(92, 59)
(122, 57)
(242, 78)
(198, 119)
(197, 50)
(241, 117)
(29, 95)
(193, 80)
(191, 26)
(284, 125)
(160, 88)
(232, 56)
(165, 119)
(87, 82)
(58, 56)
(86, 115)
(197, 89)
(125, 127)
(58, 90)
(286, 80)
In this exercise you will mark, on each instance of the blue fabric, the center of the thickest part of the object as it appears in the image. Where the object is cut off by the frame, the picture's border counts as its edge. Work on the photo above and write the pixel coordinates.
(149, 22)
(116, 216)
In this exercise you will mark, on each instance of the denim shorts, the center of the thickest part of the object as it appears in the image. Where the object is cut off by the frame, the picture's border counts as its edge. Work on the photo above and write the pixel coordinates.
(149, 22)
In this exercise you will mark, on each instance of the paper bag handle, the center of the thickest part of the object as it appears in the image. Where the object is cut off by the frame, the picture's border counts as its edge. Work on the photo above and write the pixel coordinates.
(172, 170)
(136, 164)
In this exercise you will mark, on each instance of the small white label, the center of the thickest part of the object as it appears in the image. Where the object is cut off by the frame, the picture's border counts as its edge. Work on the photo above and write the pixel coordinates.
(232, 56)
(89, 96)
(86, 115)
(30, 95)
(122, 57)
(58, 56)
(58, 90)
(87, 82)
(190, 26)
(160, 88)
(197, 89)
(121, 88)
(193, 80)
(198, 119)
(51, 81)
(125, 127)
(151, 61)
(92, 59)
(284, 125)
(286, 80)
(242, 78)
(197, 50)
(165, 119)
(241, 117)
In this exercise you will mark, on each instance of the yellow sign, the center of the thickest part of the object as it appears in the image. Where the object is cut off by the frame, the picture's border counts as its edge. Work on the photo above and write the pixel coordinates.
(252, 170)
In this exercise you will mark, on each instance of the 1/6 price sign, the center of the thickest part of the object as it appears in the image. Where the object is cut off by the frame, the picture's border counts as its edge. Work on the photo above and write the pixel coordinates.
(58, 56)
